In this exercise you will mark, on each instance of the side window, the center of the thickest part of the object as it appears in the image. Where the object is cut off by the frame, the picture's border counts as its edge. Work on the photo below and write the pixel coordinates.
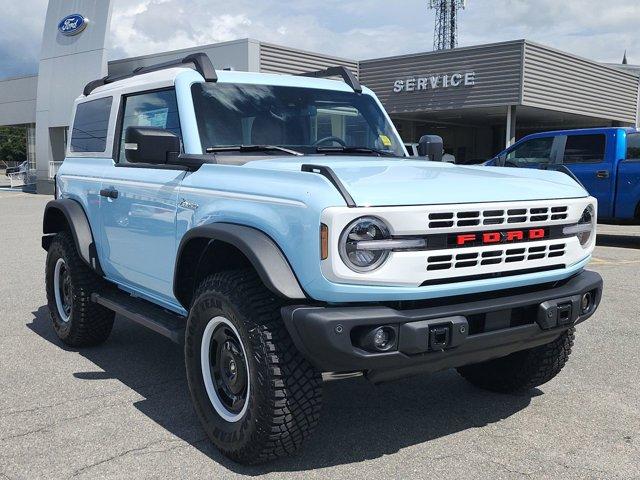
(90, 126)
(633, 147)
(536, 150)
(584, 149)
(153, 109)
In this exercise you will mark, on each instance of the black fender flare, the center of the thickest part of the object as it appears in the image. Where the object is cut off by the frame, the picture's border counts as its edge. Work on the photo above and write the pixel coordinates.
(65, 211)
(262, 252)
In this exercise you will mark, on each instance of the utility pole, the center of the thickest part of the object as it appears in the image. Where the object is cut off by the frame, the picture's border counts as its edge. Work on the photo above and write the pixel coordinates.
(445, 35)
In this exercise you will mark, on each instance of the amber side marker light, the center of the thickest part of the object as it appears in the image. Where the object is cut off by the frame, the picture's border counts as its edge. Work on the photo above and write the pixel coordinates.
(324, 241)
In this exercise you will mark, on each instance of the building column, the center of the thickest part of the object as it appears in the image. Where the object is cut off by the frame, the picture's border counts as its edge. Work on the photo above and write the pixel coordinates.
(510, 136)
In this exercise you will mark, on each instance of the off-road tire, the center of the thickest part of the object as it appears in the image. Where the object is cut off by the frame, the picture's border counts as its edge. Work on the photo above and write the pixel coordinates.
(284, 401)
(89, 323)
(524, 370)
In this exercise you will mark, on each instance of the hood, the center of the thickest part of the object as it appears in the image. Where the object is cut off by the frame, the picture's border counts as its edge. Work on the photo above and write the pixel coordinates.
(390, 182)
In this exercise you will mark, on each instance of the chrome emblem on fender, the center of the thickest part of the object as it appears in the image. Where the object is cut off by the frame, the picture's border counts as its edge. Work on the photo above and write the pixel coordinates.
(187, 204)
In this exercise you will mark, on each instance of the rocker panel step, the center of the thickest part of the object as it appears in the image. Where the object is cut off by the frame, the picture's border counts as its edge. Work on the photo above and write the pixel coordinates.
(144, 313)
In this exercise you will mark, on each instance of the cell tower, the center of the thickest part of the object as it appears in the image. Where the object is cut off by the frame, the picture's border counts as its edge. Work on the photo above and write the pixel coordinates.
(445, 35)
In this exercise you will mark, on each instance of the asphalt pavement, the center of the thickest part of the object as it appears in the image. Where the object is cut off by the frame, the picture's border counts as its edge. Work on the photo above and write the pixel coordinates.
(122, 410)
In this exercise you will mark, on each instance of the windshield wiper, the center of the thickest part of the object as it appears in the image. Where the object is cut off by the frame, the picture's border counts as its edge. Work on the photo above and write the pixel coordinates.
(251, 148)
(354, 149)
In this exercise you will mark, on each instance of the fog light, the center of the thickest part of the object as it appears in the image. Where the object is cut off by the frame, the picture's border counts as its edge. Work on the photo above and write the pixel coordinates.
(376, 339)
(382, 338)
(586, 302)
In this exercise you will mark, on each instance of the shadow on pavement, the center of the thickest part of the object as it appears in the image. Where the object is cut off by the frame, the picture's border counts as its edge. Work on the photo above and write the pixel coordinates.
(359, 421)
(622, 241)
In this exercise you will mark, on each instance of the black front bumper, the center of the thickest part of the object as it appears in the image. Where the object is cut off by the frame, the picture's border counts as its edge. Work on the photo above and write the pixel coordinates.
(474, 328)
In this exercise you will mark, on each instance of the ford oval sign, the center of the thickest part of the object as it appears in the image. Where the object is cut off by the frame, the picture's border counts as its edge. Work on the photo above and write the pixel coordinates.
(72, 24)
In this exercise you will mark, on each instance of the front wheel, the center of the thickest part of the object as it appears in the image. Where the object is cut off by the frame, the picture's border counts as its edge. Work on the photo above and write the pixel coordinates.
(256, 396)
(524, 370)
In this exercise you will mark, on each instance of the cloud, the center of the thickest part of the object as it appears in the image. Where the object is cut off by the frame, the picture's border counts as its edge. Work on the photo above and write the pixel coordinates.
(347, 28)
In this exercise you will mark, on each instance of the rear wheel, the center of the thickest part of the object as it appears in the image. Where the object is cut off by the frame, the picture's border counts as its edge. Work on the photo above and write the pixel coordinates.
(256, 396)
(524, 370)
(77, 321)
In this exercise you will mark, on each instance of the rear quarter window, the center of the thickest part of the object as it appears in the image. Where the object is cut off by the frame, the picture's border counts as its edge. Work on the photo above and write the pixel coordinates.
(90, 126)
(584, 148)
(633, 147)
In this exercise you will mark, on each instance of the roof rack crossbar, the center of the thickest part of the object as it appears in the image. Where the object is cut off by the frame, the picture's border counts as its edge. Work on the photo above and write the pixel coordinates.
(338, 71)
(198, 61)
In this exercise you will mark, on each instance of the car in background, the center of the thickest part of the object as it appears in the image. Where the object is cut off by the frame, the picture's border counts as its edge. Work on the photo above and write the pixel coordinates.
(21, 168)
(605, 160)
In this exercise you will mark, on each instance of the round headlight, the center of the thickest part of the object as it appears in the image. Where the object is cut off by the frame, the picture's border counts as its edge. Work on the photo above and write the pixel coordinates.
(586, 225)
(585, 228)
(353, 242)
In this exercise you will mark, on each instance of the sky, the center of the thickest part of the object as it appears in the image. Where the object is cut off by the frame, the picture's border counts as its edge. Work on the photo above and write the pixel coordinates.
(354, 29)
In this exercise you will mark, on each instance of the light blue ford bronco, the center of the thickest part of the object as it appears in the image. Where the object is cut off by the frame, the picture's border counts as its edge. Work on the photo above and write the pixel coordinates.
(274, 226)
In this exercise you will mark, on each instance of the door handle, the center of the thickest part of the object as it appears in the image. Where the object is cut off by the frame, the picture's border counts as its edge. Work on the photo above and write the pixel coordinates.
(109, 193)
(602, 174)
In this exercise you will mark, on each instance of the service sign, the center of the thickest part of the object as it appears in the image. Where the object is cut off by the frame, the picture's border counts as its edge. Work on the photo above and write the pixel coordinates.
(435, 82)
(72, 24)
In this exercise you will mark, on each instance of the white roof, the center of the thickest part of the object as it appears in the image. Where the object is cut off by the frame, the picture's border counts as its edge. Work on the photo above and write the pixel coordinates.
(167, 77)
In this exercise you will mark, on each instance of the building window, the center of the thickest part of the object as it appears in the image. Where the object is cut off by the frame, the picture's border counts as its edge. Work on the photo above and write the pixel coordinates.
(155, 109)
(90, 126)
(633, 146)
(534, 151)
(584, 149)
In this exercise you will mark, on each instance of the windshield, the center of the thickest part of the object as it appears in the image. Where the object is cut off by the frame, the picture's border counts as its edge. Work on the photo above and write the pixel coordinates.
(302, 119)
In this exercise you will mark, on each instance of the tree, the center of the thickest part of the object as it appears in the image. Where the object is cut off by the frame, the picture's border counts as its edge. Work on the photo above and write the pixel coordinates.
(13, 144)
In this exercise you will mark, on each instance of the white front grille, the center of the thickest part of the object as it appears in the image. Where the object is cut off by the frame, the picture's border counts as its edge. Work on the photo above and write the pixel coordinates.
(418, 267)
(494, 216)
(495, 256)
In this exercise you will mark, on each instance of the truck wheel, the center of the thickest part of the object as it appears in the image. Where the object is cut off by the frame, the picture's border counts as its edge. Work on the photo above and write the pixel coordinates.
(77, 321)
(256, 396)
(524, 370)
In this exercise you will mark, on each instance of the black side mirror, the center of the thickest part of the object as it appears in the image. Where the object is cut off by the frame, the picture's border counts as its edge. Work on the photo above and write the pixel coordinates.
(431, 146)
(501, 160)
(151, 145)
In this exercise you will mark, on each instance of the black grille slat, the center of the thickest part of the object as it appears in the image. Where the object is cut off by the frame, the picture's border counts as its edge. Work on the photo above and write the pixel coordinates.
(468, 223)
(439, 266)
(470, 263)
(441, 216)
(490, 261)
(441, 224)
(440, 258)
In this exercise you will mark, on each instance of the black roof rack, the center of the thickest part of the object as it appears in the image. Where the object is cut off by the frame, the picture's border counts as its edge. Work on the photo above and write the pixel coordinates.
(339, 71)
(198, 61)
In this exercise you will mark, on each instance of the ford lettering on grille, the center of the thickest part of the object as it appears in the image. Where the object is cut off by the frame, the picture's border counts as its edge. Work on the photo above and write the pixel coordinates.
(496, 237)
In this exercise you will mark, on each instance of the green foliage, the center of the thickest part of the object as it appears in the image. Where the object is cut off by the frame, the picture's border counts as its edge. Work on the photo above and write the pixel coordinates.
(13, 144)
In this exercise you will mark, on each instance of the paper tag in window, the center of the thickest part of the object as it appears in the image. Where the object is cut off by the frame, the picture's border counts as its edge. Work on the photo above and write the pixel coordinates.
(386, 141)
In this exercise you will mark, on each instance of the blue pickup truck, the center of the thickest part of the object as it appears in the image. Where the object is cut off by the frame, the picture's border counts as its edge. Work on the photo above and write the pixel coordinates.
(605, 160)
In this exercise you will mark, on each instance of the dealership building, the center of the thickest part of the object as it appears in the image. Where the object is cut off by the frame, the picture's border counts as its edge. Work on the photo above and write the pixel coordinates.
(479, 99)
